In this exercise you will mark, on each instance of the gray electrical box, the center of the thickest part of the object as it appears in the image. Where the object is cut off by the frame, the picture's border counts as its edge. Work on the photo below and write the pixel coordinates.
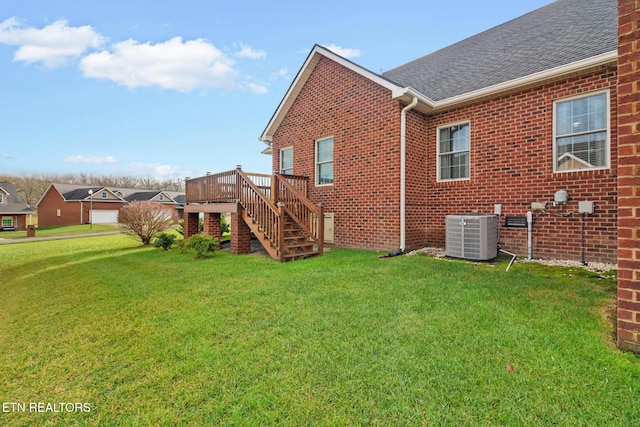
(585, 207)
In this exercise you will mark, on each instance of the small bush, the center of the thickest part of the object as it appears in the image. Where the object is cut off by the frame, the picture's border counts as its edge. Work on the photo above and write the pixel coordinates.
(200, 243)
(165, 241)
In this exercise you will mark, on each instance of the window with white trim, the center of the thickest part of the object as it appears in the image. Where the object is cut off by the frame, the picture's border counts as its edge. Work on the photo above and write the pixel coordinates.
(324, 161)
(581, 133)
(453, 152)
(7, 222)
(1, 198)
(286, 161)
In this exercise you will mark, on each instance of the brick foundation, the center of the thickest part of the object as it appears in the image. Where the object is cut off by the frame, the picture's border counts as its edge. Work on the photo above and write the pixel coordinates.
(629, 175)
(191, 224)
(212, 226)
(240, 235)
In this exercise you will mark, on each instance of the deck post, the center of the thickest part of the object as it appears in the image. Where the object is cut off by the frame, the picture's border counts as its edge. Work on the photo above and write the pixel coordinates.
(240, 235)
(274, 187)
(321, 228)
(280, 206)
(212, 226)
(191, 224)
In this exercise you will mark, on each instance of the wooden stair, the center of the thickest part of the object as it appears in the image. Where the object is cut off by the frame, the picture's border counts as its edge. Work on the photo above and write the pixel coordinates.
(276, 209)
(297, 244)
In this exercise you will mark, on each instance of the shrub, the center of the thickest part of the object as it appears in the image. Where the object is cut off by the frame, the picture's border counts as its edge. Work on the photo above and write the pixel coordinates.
(200, 243)
(144, 220)
(165, 241)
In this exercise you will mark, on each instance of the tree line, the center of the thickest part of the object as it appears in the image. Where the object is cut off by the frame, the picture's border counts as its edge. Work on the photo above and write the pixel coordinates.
(32, 187)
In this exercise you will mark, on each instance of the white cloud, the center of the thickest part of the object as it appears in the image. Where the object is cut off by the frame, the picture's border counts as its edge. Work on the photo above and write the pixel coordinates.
(174, 64)
(52, 45)
(343, 51)
(255, 88)
(96, 160)
(156, 169)
(282, 73)
(250, 53)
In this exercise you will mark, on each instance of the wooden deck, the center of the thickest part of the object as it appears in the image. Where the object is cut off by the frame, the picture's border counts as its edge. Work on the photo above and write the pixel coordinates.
(275, 207)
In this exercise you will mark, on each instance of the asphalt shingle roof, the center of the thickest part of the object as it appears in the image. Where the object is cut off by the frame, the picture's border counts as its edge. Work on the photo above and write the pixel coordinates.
(13, 203)
(558, 34)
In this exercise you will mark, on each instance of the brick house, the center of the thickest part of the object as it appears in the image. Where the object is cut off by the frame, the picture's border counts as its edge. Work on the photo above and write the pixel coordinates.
(70, 204)
(547, 104)
(629, 175)
(14, 213)
(507, 117)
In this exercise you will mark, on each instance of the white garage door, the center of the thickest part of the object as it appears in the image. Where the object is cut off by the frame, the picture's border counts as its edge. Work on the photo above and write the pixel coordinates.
(105, 217)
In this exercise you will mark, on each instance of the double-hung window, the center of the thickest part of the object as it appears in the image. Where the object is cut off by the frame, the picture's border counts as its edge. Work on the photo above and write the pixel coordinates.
(581, 133)
(286, 161)
(7, 222)
(453, 152)
(324, 161)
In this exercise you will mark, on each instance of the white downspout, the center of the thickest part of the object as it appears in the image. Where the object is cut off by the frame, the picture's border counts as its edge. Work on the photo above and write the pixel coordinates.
(403, 169)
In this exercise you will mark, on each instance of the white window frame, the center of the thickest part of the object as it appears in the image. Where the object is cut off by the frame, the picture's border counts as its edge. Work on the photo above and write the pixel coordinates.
(9, 223)
(282, 169)
(607, 130)
(1, 197)
(317, 163)
(439, 154)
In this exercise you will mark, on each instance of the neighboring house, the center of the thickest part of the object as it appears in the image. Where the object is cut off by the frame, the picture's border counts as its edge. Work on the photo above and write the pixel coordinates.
(69, 204)
(166, 198)
(14, 213)
(493, 123)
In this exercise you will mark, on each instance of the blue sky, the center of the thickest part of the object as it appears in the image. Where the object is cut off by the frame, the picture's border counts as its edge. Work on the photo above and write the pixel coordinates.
(172, 89)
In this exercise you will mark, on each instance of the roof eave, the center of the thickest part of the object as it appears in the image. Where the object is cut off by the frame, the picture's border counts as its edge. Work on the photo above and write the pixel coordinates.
(427, 105)
(298, 83)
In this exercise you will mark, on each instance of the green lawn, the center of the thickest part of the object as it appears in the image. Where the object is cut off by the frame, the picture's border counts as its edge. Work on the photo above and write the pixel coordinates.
(61, 230)
(146, 337)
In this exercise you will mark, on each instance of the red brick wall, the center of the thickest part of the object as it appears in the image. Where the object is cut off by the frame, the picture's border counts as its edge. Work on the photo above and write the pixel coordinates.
(70, 212)
(20, 222)
(629, 176)
(50, 203)
(512, 164)
(365, 125)
(241, 235)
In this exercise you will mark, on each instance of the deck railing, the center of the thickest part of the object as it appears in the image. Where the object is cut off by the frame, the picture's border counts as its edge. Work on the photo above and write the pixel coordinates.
(221, 187)
(307, 215)
(265, 199)
(262, 211)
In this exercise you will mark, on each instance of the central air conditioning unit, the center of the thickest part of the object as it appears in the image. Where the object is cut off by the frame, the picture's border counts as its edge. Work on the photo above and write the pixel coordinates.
(473, 237)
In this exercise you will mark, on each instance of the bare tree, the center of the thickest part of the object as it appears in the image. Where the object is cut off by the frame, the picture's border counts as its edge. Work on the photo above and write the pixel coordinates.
(145, 219)
(31, 189)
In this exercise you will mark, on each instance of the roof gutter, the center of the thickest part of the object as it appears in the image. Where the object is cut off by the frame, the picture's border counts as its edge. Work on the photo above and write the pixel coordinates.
(427, 104)
(403, 169)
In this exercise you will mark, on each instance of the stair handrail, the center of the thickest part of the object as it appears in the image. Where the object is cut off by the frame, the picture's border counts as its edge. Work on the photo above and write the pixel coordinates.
(261, 209)
(307, 215)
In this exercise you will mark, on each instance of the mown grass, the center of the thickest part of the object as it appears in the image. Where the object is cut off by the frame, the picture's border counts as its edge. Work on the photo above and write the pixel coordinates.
(63, 230)
(148, 337)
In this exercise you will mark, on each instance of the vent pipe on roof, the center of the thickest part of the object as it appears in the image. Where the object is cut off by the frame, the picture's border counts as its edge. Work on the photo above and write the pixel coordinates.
(403, 167)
